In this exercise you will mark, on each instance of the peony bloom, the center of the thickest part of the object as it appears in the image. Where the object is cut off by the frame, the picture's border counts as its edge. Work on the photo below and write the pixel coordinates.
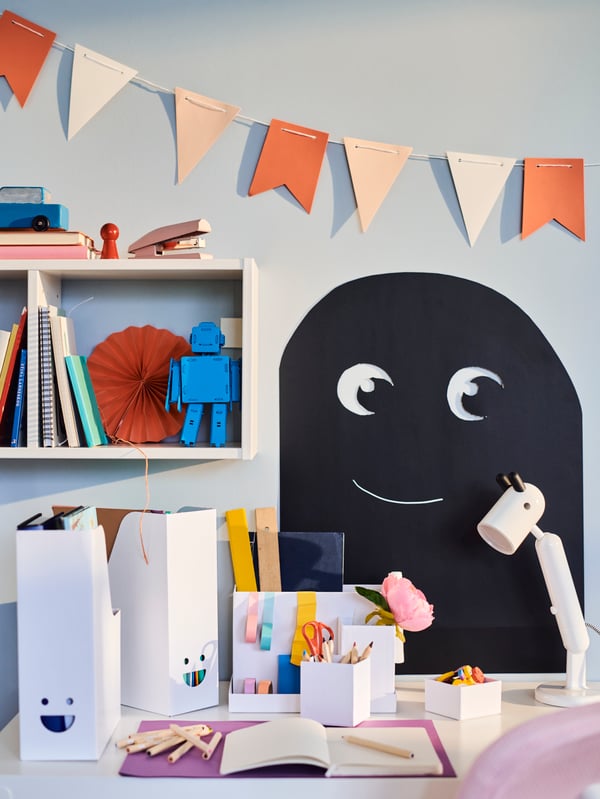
(408, 605)
(399, 603)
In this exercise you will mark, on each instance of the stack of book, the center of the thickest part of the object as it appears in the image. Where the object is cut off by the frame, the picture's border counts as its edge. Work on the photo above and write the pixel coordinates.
(69, 411)
(19, 244)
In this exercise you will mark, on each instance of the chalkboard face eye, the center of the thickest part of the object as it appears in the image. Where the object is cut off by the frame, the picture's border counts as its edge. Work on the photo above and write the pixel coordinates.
(463, 383)
(360, 377)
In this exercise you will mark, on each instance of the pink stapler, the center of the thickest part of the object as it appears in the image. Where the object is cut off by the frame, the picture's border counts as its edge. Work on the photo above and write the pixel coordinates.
(183, 240)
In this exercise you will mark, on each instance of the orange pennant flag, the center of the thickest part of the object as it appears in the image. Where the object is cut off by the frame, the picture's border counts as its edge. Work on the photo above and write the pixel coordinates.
(24, 47)
(553, 189)
(374, 166)
(291, 156)
(200, 121)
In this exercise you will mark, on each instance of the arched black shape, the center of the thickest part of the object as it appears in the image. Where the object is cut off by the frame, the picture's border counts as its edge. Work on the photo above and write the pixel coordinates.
(491, 610)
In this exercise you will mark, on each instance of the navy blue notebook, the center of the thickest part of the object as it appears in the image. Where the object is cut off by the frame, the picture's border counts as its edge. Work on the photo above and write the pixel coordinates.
(309, 561)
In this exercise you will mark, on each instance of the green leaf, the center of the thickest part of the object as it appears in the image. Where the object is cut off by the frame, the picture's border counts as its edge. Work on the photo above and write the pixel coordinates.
(373, 596)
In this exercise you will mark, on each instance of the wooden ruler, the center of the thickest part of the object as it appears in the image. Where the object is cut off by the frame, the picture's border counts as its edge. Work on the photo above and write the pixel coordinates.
(267, 540)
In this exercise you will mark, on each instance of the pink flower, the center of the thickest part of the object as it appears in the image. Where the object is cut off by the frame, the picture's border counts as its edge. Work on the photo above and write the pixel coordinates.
(408, 604)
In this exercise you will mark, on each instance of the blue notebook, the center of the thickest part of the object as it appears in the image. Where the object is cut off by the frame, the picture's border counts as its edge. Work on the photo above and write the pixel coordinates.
(312, 561)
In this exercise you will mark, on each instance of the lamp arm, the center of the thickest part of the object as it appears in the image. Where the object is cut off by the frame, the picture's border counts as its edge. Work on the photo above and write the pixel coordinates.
(565, 604)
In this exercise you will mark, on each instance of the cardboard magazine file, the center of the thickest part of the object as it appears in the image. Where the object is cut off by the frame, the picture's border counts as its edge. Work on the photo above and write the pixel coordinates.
(253, 661)
(68, 645)
(169, 608)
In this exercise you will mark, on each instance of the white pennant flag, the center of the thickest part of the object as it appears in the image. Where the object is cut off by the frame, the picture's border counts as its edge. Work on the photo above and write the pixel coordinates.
(478, 180)
(95, 80)
(374, 166)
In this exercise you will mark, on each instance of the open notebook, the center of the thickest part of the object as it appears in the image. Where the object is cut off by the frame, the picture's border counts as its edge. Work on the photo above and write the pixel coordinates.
(418, 735)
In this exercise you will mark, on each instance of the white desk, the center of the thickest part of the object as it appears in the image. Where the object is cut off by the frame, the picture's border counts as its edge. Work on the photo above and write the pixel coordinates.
(463, 741)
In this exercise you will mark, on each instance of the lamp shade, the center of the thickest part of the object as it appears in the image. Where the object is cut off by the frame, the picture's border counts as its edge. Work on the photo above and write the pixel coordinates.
(512, 518)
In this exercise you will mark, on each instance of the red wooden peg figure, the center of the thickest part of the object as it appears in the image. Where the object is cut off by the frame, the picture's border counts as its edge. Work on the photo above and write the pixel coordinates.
(110, 234)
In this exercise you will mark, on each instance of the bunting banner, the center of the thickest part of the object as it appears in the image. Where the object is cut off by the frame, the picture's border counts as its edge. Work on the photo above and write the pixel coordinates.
(24, 47)
(291, 156)
(200, 121)
(478, 181)
(374, 166)
(553, 189)
(95, 80)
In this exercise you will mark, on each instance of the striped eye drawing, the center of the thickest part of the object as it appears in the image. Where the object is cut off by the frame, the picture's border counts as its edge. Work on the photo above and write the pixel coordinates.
(360, 377)
(462, 383)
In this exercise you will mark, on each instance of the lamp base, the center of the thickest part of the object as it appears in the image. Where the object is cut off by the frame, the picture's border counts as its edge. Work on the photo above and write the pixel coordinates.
(559, 695)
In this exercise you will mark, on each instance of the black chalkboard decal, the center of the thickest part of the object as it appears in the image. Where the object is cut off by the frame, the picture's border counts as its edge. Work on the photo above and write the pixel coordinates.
(402, 396)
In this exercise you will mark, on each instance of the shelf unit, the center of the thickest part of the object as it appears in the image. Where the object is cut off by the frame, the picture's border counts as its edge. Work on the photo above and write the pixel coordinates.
(105, 296)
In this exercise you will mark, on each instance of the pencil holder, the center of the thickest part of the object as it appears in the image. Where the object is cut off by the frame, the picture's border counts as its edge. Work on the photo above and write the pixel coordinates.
(336, 694)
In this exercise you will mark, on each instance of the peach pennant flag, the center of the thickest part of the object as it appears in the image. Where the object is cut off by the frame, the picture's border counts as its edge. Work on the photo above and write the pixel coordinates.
(95, 80)
(24, 47)
(291, 156)
(374, 166)
(553, 189)
(478, 180)
(200, 121)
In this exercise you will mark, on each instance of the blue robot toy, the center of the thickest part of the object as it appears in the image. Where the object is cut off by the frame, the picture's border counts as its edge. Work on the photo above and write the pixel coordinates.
(207, 377)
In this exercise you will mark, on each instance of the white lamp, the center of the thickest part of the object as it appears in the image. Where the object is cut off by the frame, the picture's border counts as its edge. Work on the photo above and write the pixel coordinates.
(504, 528)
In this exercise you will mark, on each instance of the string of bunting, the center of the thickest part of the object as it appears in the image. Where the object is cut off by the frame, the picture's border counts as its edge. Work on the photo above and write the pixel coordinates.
(292, 155)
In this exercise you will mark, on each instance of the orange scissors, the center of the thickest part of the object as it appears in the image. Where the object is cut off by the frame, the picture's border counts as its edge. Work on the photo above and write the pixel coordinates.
(313, 635)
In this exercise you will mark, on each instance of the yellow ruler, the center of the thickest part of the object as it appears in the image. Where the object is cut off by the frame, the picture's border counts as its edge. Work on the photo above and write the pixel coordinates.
(241, 554)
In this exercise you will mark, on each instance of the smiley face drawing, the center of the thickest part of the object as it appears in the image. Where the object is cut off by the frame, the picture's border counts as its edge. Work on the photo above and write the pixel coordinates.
(402, 396)
(194, 676)
(57, 722)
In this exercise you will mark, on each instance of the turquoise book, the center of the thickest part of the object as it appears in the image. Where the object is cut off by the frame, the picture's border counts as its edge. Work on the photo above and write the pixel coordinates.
(85, 400)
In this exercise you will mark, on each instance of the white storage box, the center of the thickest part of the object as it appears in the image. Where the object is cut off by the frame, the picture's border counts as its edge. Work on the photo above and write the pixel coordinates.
(68, 645)
(336, 694)
(463, 701)
(169, 609)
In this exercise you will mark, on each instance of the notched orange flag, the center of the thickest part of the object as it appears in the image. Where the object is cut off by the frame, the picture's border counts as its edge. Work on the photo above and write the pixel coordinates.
(24, 47)
(553, 189)
(291, 156)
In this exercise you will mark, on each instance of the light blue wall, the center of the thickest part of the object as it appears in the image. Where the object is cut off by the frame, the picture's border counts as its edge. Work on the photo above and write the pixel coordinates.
(515, 78)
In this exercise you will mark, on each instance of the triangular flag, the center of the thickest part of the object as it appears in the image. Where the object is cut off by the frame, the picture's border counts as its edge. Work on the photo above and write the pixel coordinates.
(24, 47)
(200, 121)
(95, 80)
(291, 156)
(478, 180)
(374, 167)
(553, 189)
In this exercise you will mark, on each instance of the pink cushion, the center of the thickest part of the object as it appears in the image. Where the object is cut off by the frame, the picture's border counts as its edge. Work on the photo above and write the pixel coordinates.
(554, 756)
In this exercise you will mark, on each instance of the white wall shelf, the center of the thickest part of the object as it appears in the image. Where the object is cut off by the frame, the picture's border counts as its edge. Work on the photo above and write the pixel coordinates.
(105, 296)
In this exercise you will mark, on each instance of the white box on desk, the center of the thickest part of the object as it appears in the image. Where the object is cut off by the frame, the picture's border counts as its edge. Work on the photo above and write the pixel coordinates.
(336, 694)
(169, 608)
(383, 660)
(68, 645)
(463, 701)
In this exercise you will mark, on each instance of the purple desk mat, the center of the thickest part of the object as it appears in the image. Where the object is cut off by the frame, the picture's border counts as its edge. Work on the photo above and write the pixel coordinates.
(191, 764)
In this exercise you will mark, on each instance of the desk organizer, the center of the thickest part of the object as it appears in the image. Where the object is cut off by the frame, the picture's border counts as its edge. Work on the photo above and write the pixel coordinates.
(336, 694)
(169, 606)
(463, 701)
(252, 659)
(68, 645)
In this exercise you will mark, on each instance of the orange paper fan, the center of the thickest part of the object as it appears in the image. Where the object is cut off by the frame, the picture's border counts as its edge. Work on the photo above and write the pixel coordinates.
(130, 375)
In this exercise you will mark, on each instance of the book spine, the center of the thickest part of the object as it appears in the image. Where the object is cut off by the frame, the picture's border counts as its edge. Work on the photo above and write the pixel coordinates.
(46, 379)
(45, 251)
(19, 400)
(12, 361)
(82, 400)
